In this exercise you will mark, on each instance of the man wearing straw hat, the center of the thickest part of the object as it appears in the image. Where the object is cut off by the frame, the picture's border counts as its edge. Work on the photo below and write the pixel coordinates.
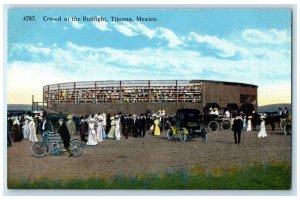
(71, 125)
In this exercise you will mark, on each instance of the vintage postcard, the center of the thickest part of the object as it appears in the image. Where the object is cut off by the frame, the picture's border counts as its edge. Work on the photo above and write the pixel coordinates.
(149, 99)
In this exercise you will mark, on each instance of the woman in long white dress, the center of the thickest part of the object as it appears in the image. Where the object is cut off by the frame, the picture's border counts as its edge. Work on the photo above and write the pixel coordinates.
(249, 125)
(117, 129)
(262, 132)
(92, 139)
(111, 133)
(99, 128)
(32, 131)
(25, 129)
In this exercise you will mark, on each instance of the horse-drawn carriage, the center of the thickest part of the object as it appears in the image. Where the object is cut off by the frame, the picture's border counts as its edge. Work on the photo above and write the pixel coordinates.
(216, 122)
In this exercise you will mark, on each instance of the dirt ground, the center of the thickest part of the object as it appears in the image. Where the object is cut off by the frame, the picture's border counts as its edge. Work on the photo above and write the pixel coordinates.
(133, 156)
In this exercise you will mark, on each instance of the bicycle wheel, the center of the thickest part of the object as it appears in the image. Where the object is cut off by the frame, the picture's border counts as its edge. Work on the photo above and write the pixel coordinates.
(226, 125)
(76, 147)
(39, 149)
(213, 126)
(170, 134)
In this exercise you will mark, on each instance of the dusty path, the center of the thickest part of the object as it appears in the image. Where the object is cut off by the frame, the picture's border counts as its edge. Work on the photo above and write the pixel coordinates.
(151, 155)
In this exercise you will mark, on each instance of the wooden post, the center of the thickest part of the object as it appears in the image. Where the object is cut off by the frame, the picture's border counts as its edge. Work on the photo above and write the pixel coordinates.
(176, 91)
(149, 93)
(120, 94)
(95, 92)
(58, 93)
(75, 91)
(48, 96)
(32, 102)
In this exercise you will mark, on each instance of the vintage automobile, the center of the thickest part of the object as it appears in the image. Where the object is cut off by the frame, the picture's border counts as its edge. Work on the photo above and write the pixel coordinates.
(187, 125)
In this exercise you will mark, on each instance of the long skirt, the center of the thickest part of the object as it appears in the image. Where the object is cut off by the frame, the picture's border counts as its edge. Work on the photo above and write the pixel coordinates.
(111, 133)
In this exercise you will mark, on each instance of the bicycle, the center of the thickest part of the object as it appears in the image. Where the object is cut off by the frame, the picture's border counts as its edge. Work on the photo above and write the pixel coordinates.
(52, 140)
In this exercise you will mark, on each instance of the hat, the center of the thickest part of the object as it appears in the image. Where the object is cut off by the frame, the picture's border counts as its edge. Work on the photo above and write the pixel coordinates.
(215, 108)
(69, 117)
(262, 117)
(100, 117)
(250, 117)
(61, 120)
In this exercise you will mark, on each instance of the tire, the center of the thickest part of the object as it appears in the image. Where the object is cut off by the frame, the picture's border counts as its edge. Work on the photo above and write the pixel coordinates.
(213, 126)
(39, 149)
(226, 125)
(182, 137)
(170, 135)
(76, 147)
(204, 137)
(55, 151)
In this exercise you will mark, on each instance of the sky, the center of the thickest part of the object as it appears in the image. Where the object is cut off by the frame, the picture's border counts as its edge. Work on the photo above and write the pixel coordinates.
(238, 45)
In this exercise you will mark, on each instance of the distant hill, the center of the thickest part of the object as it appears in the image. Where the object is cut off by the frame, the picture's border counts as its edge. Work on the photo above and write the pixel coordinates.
(19, 107)
(274, 107)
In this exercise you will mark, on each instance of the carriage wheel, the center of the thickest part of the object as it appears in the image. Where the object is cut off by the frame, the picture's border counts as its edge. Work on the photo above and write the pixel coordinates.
(213, 126)
(226, 125)
(39, 149)
(182, 137)
(76, 147)
(170, 134)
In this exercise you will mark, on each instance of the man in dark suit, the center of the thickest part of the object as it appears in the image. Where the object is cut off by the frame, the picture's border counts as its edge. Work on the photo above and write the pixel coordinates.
(143, 125)
(237, 129)
(83, 129)
(45, 126)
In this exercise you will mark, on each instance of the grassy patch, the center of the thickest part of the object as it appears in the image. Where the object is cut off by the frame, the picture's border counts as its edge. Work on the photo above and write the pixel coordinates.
(273, 176)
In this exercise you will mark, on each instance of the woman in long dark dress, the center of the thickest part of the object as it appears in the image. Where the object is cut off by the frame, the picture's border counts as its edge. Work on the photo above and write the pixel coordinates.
(65, 135)
(16, 132)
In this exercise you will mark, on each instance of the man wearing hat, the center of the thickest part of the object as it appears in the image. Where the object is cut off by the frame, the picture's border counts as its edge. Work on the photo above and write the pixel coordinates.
(83, 129)
(65, 135)
(237, 129)
(45, 126)
(71, 125)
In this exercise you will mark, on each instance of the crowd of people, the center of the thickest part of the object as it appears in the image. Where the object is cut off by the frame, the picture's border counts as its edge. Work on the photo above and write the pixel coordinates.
(92, 129)
(95, 128)
(126, 94)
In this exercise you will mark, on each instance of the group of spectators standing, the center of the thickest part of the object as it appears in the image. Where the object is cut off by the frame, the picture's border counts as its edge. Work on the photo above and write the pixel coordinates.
(250, 122)
(92, 129)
